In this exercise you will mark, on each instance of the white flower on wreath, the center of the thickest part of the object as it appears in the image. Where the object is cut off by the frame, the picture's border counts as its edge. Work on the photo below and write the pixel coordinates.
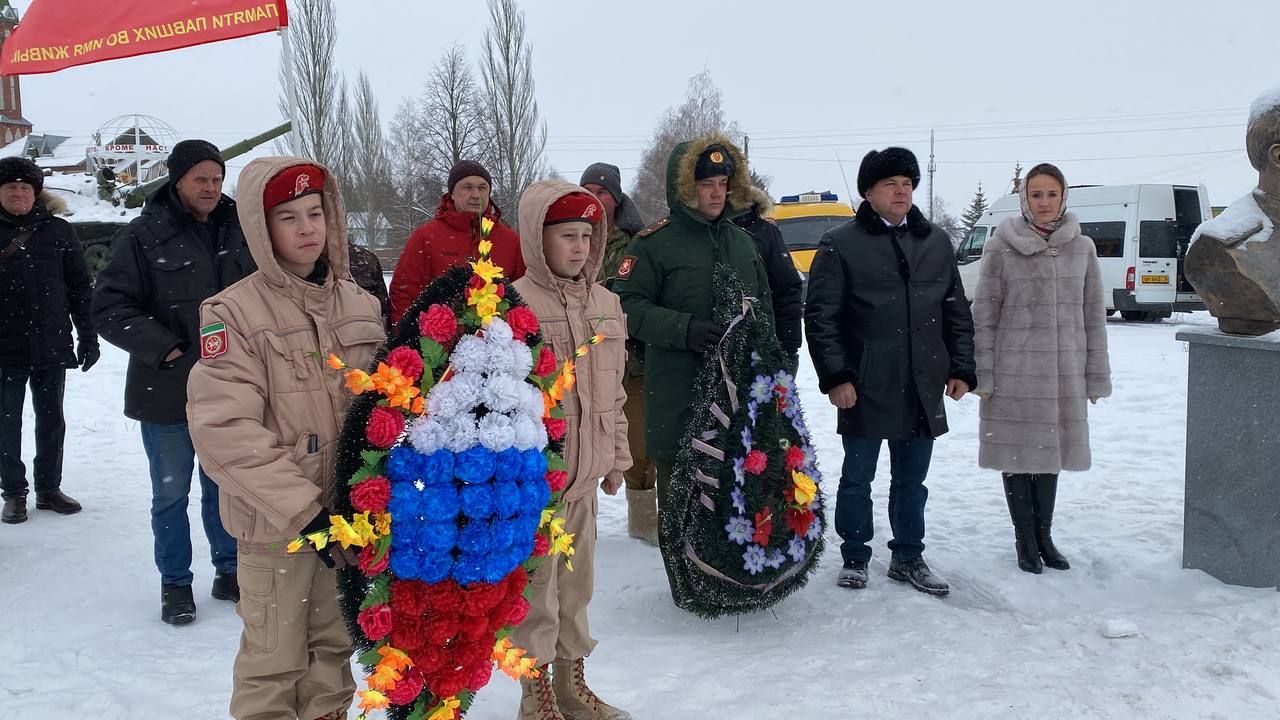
(775, 559)
(496, 432)
(521, 360)
(815, 530)
(457, 395)
(460, 431)
(762, 388)
(753, 559)
(532, 406)
(498, 333)
(796, 549)
(471, 354)
(503, 393)
(427, 435)
(528, 435)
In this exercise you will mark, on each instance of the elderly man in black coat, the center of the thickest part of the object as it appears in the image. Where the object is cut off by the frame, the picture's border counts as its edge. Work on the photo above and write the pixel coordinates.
(890, 333)
(46, 288)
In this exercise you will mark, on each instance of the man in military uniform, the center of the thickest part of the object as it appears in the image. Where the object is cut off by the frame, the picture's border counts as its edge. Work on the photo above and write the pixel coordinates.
(605, 182)
(664, 282)
(367, 272)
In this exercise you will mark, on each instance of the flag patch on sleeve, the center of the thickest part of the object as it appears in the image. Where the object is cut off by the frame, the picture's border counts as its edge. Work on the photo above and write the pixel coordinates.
(213, 340)
(626, 266)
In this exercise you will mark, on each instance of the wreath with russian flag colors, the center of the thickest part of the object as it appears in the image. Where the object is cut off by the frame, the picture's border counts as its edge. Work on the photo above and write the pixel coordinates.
(450, 456)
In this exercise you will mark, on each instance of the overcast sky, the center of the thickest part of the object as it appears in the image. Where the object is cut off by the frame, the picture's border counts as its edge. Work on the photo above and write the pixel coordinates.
(1113, 92)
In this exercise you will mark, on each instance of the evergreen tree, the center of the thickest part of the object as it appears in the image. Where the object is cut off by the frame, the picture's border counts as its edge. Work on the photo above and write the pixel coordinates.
(974, 212)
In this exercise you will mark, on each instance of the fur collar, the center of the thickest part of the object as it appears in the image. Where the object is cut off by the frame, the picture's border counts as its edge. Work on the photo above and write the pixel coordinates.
(1023, 238)
(870, 221)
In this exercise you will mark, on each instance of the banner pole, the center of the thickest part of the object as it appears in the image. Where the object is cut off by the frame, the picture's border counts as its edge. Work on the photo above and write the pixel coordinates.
(291, 89)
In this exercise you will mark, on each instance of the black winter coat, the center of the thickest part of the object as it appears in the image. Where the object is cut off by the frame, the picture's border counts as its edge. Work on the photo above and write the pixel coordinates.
(147, 299)
(43, 290)
(784, 279)
(886, 311)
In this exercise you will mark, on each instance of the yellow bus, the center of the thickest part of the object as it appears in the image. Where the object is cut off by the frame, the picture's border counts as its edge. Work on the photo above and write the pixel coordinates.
(804, 218)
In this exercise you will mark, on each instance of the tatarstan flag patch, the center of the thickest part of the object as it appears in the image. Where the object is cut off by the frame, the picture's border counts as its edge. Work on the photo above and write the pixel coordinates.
(213, 340)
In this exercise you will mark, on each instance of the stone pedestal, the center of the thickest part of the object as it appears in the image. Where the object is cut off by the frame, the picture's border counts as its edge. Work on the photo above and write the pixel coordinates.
(1231, 526)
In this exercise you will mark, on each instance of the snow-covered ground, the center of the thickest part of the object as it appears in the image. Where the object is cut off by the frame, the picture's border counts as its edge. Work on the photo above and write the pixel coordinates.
(83, 636)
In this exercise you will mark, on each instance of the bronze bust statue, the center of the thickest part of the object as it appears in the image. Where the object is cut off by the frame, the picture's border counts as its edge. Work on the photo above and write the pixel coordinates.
(1234, 260)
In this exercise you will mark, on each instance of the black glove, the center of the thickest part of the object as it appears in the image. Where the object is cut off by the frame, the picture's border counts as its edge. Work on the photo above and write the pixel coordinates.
(87, 354)
(793, 361)
(702, 335)
(320, 522)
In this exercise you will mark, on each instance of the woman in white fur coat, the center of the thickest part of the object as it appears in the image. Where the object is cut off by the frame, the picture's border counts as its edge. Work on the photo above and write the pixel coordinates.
(1041, 349)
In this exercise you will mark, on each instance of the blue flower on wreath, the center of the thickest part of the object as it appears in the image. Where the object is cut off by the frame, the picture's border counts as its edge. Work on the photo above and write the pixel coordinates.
(796, 549)
(739, 529)
(473, 539)
(503, 535)
(746, 439)
(506, 498)
(509, 464)
(475, 465)
(739, 500)
(437, 468)
(433, 537)
(739, 470)
(533, 466)
(762, 388)
(815, 530)
(753, 559)
(477, 500)
(775, 559)
(755, 358)
(404, 465)
(534, 496)
(787, 381)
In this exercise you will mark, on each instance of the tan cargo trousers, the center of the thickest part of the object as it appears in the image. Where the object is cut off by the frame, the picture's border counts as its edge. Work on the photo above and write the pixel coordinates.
(295, 656)
(556, 627)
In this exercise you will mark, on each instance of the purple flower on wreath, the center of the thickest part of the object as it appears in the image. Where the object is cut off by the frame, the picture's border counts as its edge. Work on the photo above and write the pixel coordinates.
(739, 500)
(810, 458)
(755, 358)
(753, 559)
(746, 439)
(815, 530)
(762, 388)
(775, 559)
(739, 471)
(787, 381)
(796, 549)
(751, 411)
(791, 409)
(739, 529)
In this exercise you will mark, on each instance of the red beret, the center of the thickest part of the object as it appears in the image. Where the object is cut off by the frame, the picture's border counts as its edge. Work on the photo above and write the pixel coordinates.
(574, 207)
(292, 183)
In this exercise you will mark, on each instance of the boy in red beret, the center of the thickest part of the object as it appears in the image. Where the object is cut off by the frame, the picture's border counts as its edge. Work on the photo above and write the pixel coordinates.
(562, 235)
(265, 415)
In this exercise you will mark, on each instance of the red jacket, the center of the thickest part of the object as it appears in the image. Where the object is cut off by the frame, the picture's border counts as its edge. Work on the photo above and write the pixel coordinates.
(447, 240)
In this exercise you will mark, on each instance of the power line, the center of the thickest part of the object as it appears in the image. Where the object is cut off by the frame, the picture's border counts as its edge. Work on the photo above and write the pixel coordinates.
(1005, 162)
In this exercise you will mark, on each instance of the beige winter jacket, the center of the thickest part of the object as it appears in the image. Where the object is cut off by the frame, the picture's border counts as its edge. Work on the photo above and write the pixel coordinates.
(569, 313)
(1041, 346)
(266, 413)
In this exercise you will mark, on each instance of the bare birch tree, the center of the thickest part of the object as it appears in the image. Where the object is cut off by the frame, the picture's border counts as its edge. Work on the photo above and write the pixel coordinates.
(370, 171)
(453, 114)
(313, 36)
(517, 135)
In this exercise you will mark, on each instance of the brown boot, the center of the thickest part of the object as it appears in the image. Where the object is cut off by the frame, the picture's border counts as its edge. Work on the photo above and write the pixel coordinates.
(576, 700)
(642, 515)
(537, 700)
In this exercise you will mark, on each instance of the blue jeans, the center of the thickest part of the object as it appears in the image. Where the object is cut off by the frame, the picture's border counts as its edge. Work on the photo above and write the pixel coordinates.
(907, 496)
(172, 458)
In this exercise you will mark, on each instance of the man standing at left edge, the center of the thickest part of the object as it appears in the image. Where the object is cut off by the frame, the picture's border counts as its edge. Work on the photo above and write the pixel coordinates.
(185, 247)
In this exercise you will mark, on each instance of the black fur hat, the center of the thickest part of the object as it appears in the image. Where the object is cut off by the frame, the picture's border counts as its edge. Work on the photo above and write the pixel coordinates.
(881, 164)
(714, 161)
(20, 169)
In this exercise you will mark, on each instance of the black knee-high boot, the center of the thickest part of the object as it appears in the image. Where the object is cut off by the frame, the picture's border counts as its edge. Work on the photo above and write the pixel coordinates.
(1044, 495)
(1017, 492)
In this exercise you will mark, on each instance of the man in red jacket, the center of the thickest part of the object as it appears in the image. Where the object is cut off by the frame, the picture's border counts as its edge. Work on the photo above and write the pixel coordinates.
(450, 238)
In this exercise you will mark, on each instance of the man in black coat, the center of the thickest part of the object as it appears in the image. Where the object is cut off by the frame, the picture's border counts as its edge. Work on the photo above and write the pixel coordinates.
(784, 280)
(889, 332)
(186, 246)
(46, 288)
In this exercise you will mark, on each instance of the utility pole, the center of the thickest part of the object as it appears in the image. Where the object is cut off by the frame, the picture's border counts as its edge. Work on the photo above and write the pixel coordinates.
(746, 146)
(932, 167)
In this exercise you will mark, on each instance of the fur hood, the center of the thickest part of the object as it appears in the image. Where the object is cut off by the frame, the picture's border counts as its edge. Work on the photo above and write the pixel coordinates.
(759, 202)
(681, 192)
(52, 202)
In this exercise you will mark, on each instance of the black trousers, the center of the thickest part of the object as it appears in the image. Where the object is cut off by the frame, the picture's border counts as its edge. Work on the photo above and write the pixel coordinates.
(47, 386)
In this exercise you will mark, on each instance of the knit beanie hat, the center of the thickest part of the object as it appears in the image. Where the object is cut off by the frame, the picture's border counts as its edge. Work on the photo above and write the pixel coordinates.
(189, 153)
(465, 169)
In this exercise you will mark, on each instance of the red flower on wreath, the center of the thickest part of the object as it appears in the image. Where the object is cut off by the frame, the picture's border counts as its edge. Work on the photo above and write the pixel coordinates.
(438, 323)
(408, 687)
(385, 425)
(519, 611)
(541, 545)
(409, 597)
(795, 457)
(755, 462)
(556, 427)
(408, 361)
(546, 362)
(557, 479)
(764, 527)
(371, 495)
(371, 564)
(375, 621)
(799, 521)
(449, 682)
(522, 321)
(481, 674)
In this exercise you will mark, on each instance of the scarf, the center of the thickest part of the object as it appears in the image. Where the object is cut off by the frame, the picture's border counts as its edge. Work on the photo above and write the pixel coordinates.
(1043, 230)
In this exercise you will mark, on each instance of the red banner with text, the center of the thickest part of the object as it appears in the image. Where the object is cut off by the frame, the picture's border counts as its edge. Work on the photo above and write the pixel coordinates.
(58, 34)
